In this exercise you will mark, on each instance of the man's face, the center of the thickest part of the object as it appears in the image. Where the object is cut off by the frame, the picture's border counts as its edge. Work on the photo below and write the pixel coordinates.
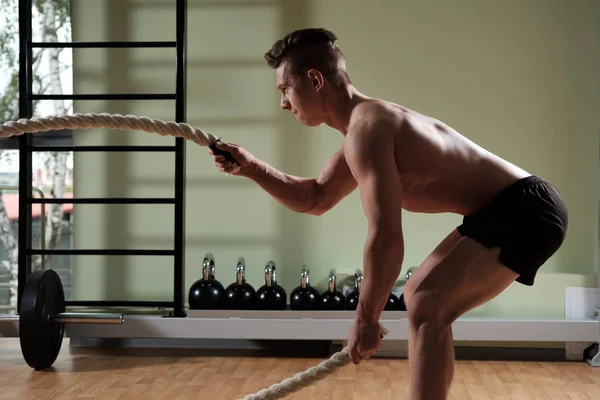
(299, 96)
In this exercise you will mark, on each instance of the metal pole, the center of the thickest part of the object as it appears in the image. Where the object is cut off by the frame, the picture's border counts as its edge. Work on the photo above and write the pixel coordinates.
(74, 318)
(87, 318)
(25, 111)
(180, 108)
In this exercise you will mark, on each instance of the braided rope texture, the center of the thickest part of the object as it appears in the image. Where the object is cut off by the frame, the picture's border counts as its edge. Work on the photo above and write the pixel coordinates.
(303, 379)
(105, 120)
(306, 378)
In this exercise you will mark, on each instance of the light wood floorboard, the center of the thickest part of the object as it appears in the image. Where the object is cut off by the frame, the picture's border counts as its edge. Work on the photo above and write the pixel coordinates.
(180, 374)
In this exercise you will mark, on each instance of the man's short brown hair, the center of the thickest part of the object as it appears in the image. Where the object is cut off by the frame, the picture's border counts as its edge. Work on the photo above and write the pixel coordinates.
(310, 48)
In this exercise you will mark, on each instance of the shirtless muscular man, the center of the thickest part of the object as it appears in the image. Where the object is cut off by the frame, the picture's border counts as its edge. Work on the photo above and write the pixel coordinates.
(400, 159)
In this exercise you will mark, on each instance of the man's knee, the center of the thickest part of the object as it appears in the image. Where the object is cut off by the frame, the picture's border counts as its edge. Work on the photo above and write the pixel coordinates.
(427, 307)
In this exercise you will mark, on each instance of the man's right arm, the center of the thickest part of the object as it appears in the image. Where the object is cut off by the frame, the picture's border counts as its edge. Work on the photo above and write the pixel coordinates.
(313, 196)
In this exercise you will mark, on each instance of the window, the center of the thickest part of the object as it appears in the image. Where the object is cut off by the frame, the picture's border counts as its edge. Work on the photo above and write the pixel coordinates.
(52, 69)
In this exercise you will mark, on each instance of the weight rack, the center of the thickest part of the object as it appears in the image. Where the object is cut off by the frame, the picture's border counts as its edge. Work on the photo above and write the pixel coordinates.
(26, 148)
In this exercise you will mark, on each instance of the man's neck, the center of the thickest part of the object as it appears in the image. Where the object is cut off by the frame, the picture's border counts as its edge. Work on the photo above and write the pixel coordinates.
(340, 108)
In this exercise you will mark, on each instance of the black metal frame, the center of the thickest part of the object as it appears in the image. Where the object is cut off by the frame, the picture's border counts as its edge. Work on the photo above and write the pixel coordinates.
(26, 149)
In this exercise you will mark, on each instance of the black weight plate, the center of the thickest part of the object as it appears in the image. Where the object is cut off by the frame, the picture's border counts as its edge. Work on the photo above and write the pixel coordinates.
(40, 341)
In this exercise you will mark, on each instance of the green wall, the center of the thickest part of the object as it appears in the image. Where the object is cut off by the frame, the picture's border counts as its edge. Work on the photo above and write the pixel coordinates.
(518, 77)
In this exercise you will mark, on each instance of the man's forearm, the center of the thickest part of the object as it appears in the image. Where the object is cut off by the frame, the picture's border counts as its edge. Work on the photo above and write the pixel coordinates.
(296, 193)
(383, 257)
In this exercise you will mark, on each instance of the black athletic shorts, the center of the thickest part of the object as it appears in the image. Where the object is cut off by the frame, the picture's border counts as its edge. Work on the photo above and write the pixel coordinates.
(528, 220)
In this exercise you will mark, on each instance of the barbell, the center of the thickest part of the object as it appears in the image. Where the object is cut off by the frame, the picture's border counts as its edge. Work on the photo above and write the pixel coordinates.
(42, 319)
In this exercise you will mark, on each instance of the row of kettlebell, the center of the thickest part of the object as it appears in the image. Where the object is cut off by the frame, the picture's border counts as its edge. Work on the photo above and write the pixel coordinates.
(305, 297)
(209, 293)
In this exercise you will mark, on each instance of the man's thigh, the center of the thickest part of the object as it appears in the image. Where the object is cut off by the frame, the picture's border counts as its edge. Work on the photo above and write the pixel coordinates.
(436, 255)
(459, 275)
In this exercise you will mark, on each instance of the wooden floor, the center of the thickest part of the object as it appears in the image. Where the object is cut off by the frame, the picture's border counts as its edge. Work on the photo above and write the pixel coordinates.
(184, 374)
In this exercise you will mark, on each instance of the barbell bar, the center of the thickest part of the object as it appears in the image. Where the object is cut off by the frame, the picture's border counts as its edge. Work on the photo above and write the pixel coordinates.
(42, 319)
(74, 318)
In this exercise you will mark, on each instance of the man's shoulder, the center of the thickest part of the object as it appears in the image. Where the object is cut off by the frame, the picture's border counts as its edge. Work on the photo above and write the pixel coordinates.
(372, 133)
(376, 115)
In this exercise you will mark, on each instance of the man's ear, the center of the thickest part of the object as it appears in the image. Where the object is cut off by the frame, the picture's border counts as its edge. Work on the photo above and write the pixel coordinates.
(316, 79)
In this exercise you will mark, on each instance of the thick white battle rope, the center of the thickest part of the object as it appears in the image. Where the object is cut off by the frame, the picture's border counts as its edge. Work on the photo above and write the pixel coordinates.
(302, 379)
(104, 120)
(203, 138)
(306, 378)
(111, 121)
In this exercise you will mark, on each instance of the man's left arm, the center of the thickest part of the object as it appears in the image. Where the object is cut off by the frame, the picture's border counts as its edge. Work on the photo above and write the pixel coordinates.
(370, 154)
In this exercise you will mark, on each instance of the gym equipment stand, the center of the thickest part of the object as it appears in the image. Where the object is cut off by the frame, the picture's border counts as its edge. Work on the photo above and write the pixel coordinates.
(26, 148)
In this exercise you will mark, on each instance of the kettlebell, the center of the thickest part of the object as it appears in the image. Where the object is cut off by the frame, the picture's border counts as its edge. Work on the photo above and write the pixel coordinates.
(392, 303)
(207, 292)
(304, 297)
(271, 296)
(352, 299)
(240, 295)
(332, 299)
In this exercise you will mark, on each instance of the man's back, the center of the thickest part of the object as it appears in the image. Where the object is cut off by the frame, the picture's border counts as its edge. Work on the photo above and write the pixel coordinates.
(441, 170)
